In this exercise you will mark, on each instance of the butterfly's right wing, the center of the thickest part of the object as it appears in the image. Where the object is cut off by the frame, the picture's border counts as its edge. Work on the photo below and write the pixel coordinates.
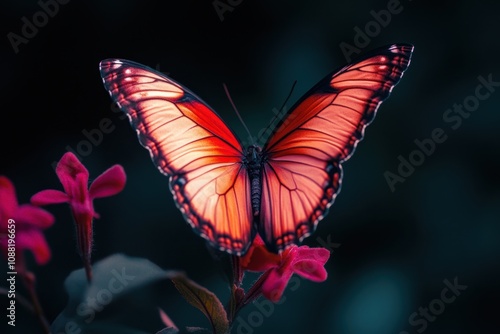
(303, 172)
(190, 143)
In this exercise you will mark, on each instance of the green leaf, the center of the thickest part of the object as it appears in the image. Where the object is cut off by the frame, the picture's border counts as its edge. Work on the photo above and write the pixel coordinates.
(114, 277)
(204, 300)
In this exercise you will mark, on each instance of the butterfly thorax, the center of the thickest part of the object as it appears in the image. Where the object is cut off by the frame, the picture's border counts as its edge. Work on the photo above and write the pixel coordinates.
(253, 161)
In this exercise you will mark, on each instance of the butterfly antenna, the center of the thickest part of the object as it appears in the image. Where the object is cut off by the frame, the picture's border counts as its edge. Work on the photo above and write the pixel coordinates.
(288, 97)
(237, 113)
(278, 114)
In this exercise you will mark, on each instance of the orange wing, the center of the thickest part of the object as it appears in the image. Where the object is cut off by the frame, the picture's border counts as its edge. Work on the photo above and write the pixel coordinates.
(190, 143)
(303, 172)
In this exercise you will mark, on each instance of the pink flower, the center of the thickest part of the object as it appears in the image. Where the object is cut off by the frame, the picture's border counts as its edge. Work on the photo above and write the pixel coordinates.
(23, 224)
(74, 178)
(279, 268)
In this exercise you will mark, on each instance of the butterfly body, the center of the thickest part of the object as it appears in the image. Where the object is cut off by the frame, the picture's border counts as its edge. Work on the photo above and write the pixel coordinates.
(229, 193)
(253, 162)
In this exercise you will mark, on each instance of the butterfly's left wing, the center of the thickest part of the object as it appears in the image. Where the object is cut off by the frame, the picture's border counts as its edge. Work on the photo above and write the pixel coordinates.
(190, 143)
(302, 173)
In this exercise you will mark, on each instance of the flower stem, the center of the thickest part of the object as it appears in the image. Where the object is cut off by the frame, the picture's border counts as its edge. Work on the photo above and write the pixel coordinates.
(237, 293)
(237, 272)
(29, 282)
(256, 290)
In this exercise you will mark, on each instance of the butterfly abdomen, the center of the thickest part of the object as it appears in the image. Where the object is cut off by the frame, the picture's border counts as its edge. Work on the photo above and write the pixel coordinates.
(256, 195)
(253, 163)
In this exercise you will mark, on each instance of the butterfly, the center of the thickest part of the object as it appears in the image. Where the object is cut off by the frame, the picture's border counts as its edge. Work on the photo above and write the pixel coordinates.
(228, 193)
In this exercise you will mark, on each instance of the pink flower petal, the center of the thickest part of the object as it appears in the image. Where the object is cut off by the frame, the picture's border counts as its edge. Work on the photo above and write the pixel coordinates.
(309, 263)
(109, 183)
(275, 284)
(166, 320)
(311, 270)
(33, 216)
(257, 241)
(68, 169)
(260, 259)
(321, 255)
(49, 196)
(28, 222)
(80, 192)
(34, 240)
(8, 202)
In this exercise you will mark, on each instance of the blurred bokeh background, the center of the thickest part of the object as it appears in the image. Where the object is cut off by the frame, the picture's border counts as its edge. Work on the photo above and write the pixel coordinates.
(397, 247)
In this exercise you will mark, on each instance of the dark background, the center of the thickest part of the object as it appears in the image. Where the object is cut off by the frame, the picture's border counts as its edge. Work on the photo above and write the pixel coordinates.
(397, 247)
